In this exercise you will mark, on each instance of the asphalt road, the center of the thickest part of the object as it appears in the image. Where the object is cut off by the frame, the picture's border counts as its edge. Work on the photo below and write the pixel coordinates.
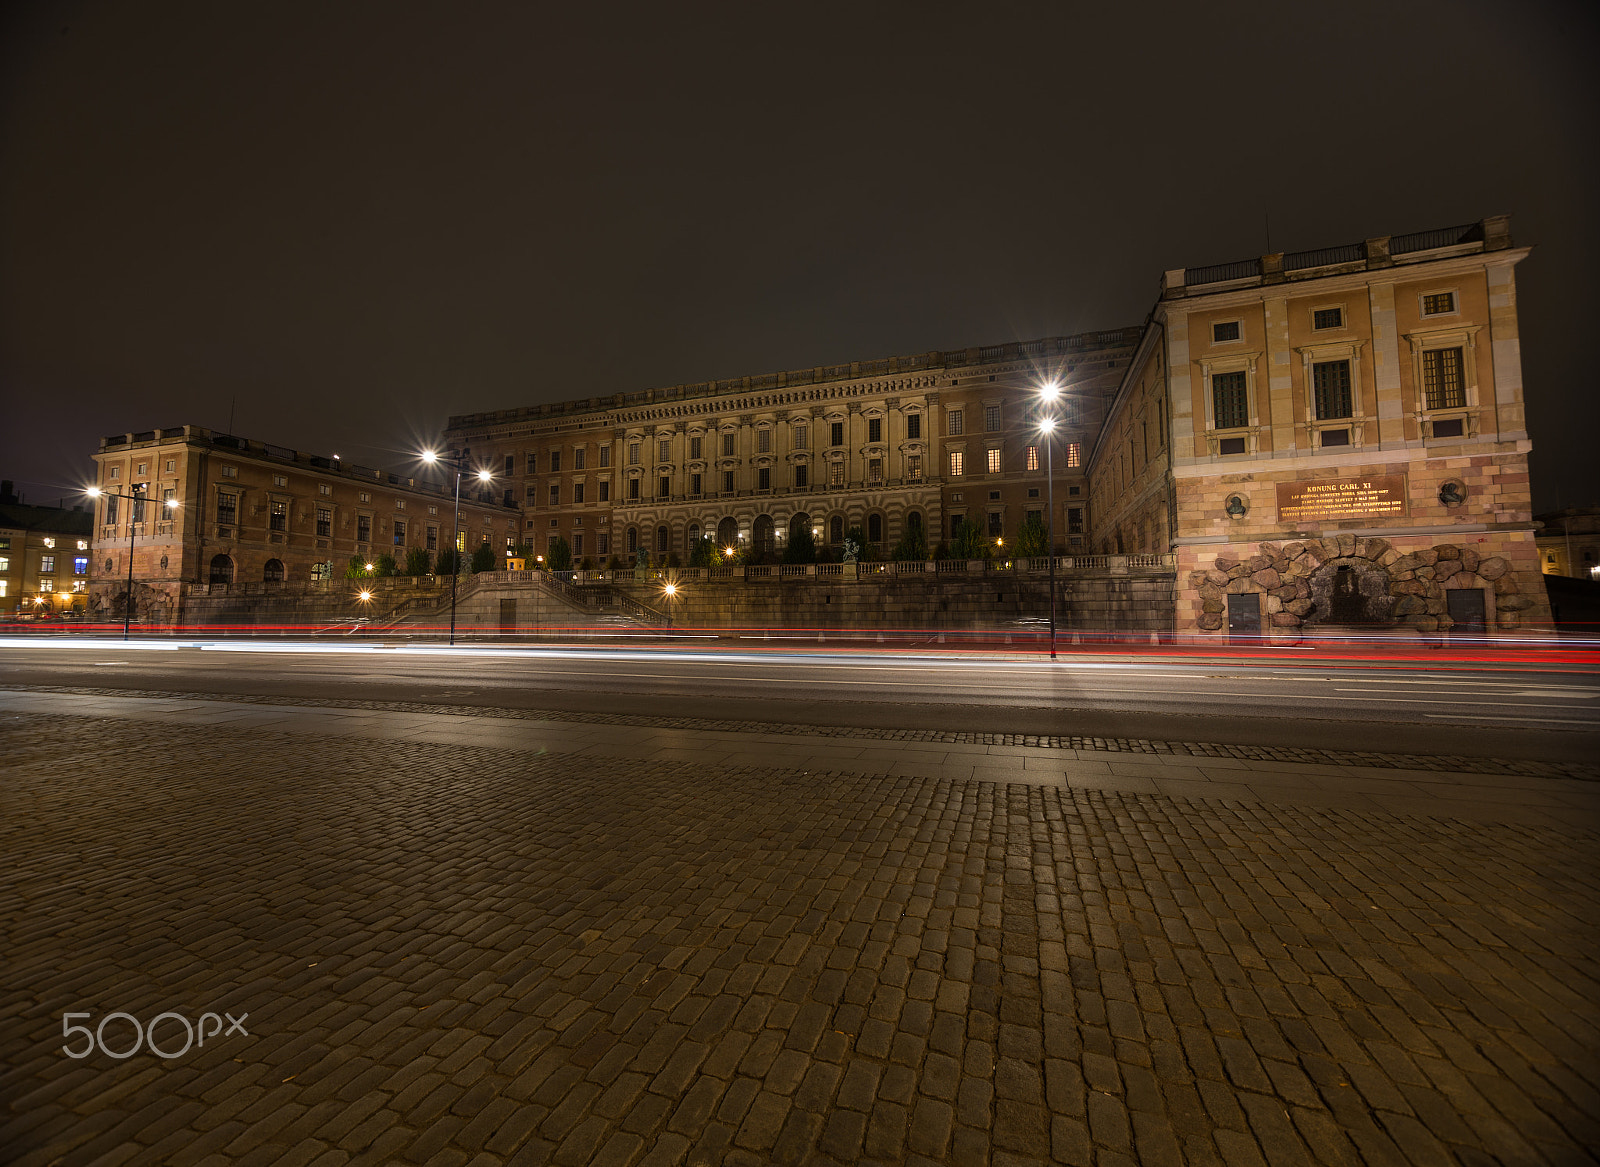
(1458, 707)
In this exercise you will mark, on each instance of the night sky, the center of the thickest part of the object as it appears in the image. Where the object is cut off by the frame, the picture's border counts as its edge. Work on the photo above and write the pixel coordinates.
(341, 222)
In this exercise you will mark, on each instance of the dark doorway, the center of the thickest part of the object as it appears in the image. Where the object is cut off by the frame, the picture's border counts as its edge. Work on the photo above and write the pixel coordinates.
(763, 538)
(508, 617)
(1466, 609)
(1345, 597)
(727, 533)
(1244, 618)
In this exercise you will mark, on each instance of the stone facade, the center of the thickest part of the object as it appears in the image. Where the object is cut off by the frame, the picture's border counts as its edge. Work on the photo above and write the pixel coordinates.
(44, 557)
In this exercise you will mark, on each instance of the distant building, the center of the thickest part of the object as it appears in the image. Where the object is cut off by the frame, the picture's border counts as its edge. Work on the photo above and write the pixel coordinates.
(1332, 438)
(248, 512)
(44, 556)
(1569, 543)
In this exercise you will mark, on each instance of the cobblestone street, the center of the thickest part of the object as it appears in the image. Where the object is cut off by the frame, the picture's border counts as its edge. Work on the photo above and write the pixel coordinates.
(551, 942)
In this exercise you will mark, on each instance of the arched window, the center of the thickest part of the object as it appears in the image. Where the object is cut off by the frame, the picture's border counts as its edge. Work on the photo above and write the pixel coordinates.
(914, 521)
(692, 536)
(765, 544)
(633, 540)
(273, 571)
(874, 528)
(221, 569)
(799, 525)
(661, 540)
(727, 532)
(836, 529)
(321, 572)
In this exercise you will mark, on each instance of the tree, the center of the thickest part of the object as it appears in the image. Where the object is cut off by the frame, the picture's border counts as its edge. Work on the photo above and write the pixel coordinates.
(384, 565)
(1034, 538)
(447, 562)
(969, 542)
(417, 561)
(483, 558)
(913, 545)
(671, 562)
(704, 553)
(802, 546)
(559, 557)
(356, 569)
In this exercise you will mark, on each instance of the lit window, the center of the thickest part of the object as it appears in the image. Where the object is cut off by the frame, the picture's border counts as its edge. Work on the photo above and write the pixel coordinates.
(278, 517)
(80, 565)
(1074, 455)
(364, 496)
(875, 470)
(914, 467)
(994, 461)
(957, 463)
(324, 489)
(47, 563)
(277, 479)
(835, 473)
(1033, 458)
(1438, 303)
(1442, 384)
(399, 504)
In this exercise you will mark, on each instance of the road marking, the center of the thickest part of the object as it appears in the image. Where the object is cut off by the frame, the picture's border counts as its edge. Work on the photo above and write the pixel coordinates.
(1523, 720)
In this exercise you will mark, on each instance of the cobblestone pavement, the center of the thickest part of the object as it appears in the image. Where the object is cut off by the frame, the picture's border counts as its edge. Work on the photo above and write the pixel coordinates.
(465, 953)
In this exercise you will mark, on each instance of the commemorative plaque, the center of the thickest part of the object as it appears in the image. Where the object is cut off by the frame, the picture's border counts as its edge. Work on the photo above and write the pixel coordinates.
(1328, 500)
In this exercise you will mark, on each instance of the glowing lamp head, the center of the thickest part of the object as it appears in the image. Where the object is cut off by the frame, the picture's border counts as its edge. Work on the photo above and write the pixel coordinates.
(369, 567)
(1047, 425)
(428, 456)
(728, 551)
(171, 504)
(484, 476)
(93, 492)
(671, 589)
(366, 596)
(1049, 391)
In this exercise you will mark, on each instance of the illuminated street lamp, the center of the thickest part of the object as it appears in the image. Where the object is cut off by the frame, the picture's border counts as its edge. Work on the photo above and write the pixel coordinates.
(137, 498)
(431, 457)
(1050, 393)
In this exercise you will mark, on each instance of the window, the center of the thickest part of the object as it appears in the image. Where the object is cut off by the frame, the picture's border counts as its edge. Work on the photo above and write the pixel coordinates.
(728, 440)
(664, 450)
(800, 473)
(511, 464)
(144, 468)
(1331, 387)
(764, 478)
(364, 496)
(278, 516)
(994, 462)
(836, 529)
(399, 504)
(138, 503)
(633, 489)
(874, 528)
(277, 479)
(914, 467)
(169, 500)
(602, 543)
(836, 433)
(399, 532)
(1074, 520)
(801, 436)
(221, 569)
(955, 524)
(1442, 384)
(763, 441)
(577, 492)
(991, 417)
(227, 472)
(663, 486)
(5, 563)
(227, 509)
(957, 462)
(662, 535)
(694, 484)
(1224, 331)
(605, 455)
(1340, 437)
(835, 473)
(324, 522)
(555, 494)
(633, 540)
(633, 453)
(1231, 446)
(1438, 303)
(994, 524)
(579, 457)
(533, 464)
(46, 584)
(1074, 457)
(1327, 318)
(605, 492)
(1033, 517)
(874, 429)
(875, 470)
(116, 473)
(955, 422)
(913, 425)
(433, 539)
(47, 563)
(1033, 458)
(324, 489)
(555, 461)
(363, 528)
(80, 566)
(727, 482)
(696, 445)
(1230, 403)
(172, 465)
(272, 572)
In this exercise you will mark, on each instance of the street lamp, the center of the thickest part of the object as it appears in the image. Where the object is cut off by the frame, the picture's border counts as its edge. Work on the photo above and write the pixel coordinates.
(431, 457)
(1050, 393)
(137, 498)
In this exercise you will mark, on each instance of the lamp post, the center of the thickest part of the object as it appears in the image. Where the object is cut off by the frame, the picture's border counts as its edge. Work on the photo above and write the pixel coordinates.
(431, 457)
(1047, 425)
(136, 498)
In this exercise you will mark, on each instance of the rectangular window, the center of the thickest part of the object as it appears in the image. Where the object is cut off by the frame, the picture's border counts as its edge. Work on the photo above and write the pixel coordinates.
(1033, 458)
(663, 487)
(633, 489)
(1074, 456)
(728, 440)
(836, 433)
(763, 441)
(47, 563)
(764, 478)
(1231, 446)
(835, 473)
(138, 503)
(875, 470)
(994, 461)
(511, 464)
(1230, 403)
(602, 543)
(46, 584)
(579, 457)
(956, 422)
(727, 482)
(1448, 427)
(278, 516)
(995, 519)
(1330, 382)
(874, 429)
(324, 522)
(363, 528)
(169, 500)
(533, 463)
(1336, 437)
(577, 544)
(1438, 303)
(433, 538)
(172, 465)
(1442, 384)
(577, 492)
(1074, 520)
(664, 450)
(605, 492)
(955, 524)
(277, 479)
(230, 472)
(399, 504)
(800, 473)
(364, 496)
(1328, 318)
(1224, 331)
(991, 417)
(633, 453)
(555, 461)
(5, 563)
(605, 456)
(913, 425)
(914, 467)
(399, 532)
(555, 494)
(80, 566)
(116, 472)
(957, 462)
(801, 436)
(695, 446)
(694, 484)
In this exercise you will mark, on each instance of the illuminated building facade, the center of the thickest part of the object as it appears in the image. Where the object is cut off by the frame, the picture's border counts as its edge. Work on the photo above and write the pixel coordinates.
(44, 557)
